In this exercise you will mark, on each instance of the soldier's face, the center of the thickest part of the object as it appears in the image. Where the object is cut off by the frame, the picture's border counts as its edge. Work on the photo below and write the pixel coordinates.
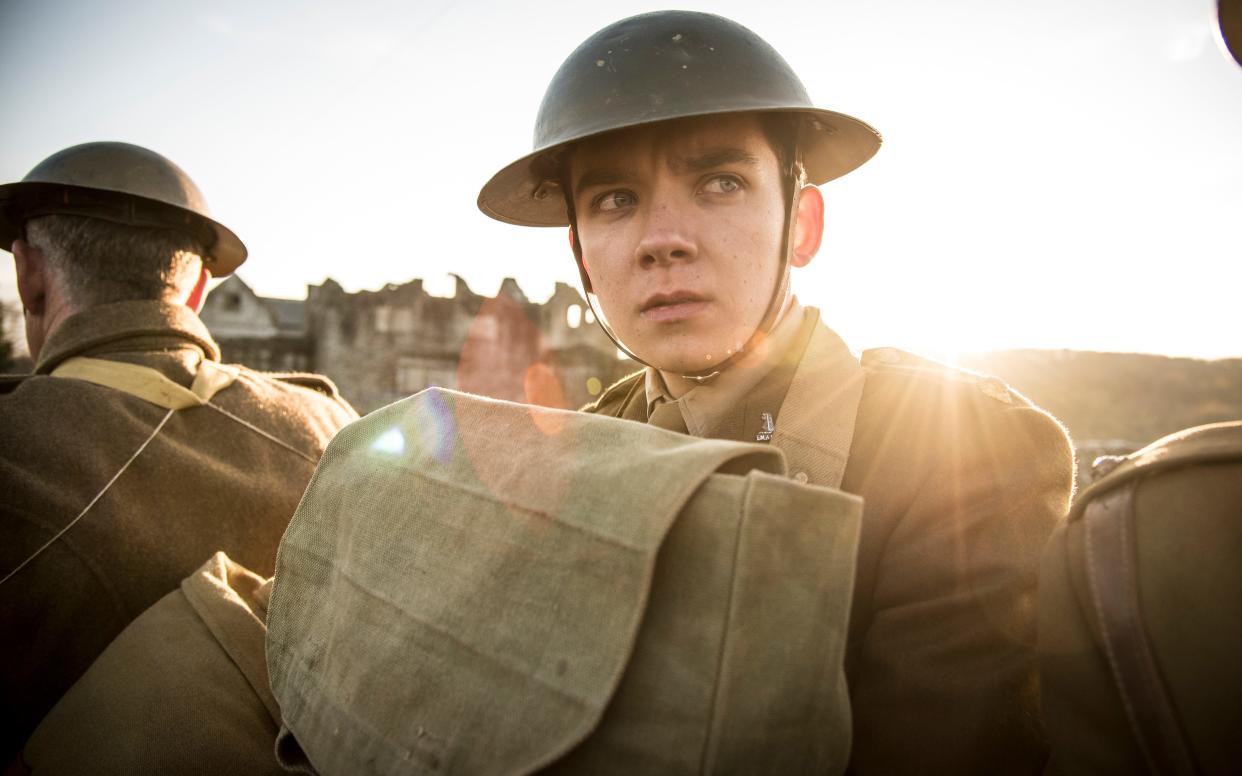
(680, 228)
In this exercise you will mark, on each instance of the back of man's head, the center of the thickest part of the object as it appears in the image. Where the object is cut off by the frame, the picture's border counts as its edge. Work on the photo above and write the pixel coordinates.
(107, 222)
(99, 262)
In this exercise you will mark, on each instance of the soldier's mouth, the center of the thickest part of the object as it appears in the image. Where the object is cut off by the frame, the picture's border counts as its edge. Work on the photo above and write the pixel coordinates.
(673, 306)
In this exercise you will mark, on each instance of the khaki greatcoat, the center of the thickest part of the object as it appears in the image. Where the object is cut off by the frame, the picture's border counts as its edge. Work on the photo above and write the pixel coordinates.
(963, 480)
(226, 476)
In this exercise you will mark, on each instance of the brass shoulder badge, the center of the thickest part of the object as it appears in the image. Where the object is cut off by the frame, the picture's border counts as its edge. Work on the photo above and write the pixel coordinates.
(765, 431)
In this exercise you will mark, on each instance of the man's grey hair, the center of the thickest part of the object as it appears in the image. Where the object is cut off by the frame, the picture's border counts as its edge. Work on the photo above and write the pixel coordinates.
(101, 262)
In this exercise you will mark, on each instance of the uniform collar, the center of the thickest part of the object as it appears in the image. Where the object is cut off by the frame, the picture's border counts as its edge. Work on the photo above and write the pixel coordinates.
(818, 408)
(109, 327)
(816, 428)
(708, 408)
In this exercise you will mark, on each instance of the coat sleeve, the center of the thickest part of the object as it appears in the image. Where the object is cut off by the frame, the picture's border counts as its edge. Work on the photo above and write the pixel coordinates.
(943, 675)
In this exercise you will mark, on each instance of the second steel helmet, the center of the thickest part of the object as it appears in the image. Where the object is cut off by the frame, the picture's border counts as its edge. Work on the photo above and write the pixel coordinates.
(1229, 18)
(657, 67)
(122, 183)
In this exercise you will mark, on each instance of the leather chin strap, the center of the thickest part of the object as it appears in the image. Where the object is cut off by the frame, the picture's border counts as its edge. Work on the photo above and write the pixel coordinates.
(775, 303)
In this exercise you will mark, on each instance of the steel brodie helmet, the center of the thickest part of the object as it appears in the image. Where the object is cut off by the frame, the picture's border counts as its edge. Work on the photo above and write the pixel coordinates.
(1229, 18)
(124, 184)
(660, 67)
(657, 67)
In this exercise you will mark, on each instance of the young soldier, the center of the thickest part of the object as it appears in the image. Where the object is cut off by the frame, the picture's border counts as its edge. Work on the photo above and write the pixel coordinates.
(131, 454)
(683, 153)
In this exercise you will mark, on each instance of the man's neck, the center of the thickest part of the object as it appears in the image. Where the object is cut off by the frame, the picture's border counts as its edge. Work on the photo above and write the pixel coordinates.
(57, 308)
(759, 350)
(60, 308)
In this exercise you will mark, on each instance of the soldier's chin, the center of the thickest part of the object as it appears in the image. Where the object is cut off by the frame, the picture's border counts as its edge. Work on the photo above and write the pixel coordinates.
(688, 361)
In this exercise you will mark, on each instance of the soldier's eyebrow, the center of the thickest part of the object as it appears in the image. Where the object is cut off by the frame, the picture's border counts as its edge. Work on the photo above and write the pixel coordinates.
(611, 176)
(713, 159)
(602, 176)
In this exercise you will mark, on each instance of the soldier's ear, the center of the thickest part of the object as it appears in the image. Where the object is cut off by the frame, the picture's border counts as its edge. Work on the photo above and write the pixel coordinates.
(31, 276)
(573, 246)
(808, 229)
(198, 294)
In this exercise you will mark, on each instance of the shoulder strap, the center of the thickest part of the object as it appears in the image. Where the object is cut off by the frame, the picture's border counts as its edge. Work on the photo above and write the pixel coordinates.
(148, 384)
(617, 397)
(1112, 577)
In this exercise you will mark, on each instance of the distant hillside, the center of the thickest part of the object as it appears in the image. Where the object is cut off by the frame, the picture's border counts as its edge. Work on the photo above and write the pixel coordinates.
(1120, 400)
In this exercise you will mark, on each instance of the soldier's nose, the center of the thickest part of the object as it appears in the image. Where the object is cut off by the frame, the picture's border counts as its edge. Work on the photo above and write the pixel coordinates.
(665, 240)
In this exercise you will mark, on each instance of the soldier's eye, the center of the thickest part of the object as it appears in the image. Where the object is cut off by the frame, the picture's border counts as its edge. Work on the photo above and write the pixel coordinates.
(722, 184)
(614, 200)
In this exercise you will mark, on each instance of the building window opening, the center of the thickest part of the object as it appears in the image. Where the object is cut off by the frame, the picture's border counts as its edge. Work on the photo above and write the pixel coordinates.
(383, 319)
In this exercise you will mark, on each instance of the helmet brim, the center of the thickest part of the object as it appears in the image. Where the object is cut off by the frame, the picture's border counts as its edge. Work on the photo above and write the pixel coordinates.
(832, 145)
(22, 201)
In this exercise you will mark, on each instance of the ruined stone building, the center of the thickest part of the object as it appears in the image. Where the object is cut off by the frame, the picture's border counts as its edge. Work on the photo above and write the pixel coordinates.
(380, 346)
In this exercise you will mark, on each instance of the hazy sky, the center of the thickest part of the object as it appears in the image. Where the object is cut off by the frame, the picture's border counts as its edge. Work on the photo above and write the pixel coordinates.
(1061, 173)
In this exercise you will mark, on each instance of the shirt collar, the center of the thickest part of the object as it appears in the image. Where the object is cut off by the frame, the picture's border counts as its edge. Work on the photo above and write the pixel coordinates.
(105, 327)
(705, 406)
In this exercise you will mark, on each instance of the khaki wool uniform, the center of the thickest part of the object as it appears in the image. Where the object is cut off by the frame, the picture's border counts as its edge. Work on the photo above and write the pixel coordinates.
(196, 656)
(1140, 620)
(472, 586)
(154, 491)
(963, 480)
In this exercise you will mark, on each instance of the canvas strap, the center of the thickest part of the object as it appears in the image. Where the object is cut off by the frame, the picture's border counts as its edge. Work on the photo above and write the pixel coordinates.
(151, 386)
(1112, 575)
(148, 384)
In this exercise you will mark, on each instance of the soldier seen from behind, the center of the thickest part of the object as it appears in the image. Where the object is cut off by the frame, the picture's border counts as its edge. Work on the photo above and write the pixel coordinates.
(683, 154)
(131, 454)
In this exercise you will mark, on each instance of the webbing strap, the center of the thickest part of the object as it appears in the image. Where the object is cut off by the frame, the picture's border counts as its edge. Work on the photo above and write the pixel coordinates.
(148, 384)
(151, 386)
(1112, 576)
(91, 503)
